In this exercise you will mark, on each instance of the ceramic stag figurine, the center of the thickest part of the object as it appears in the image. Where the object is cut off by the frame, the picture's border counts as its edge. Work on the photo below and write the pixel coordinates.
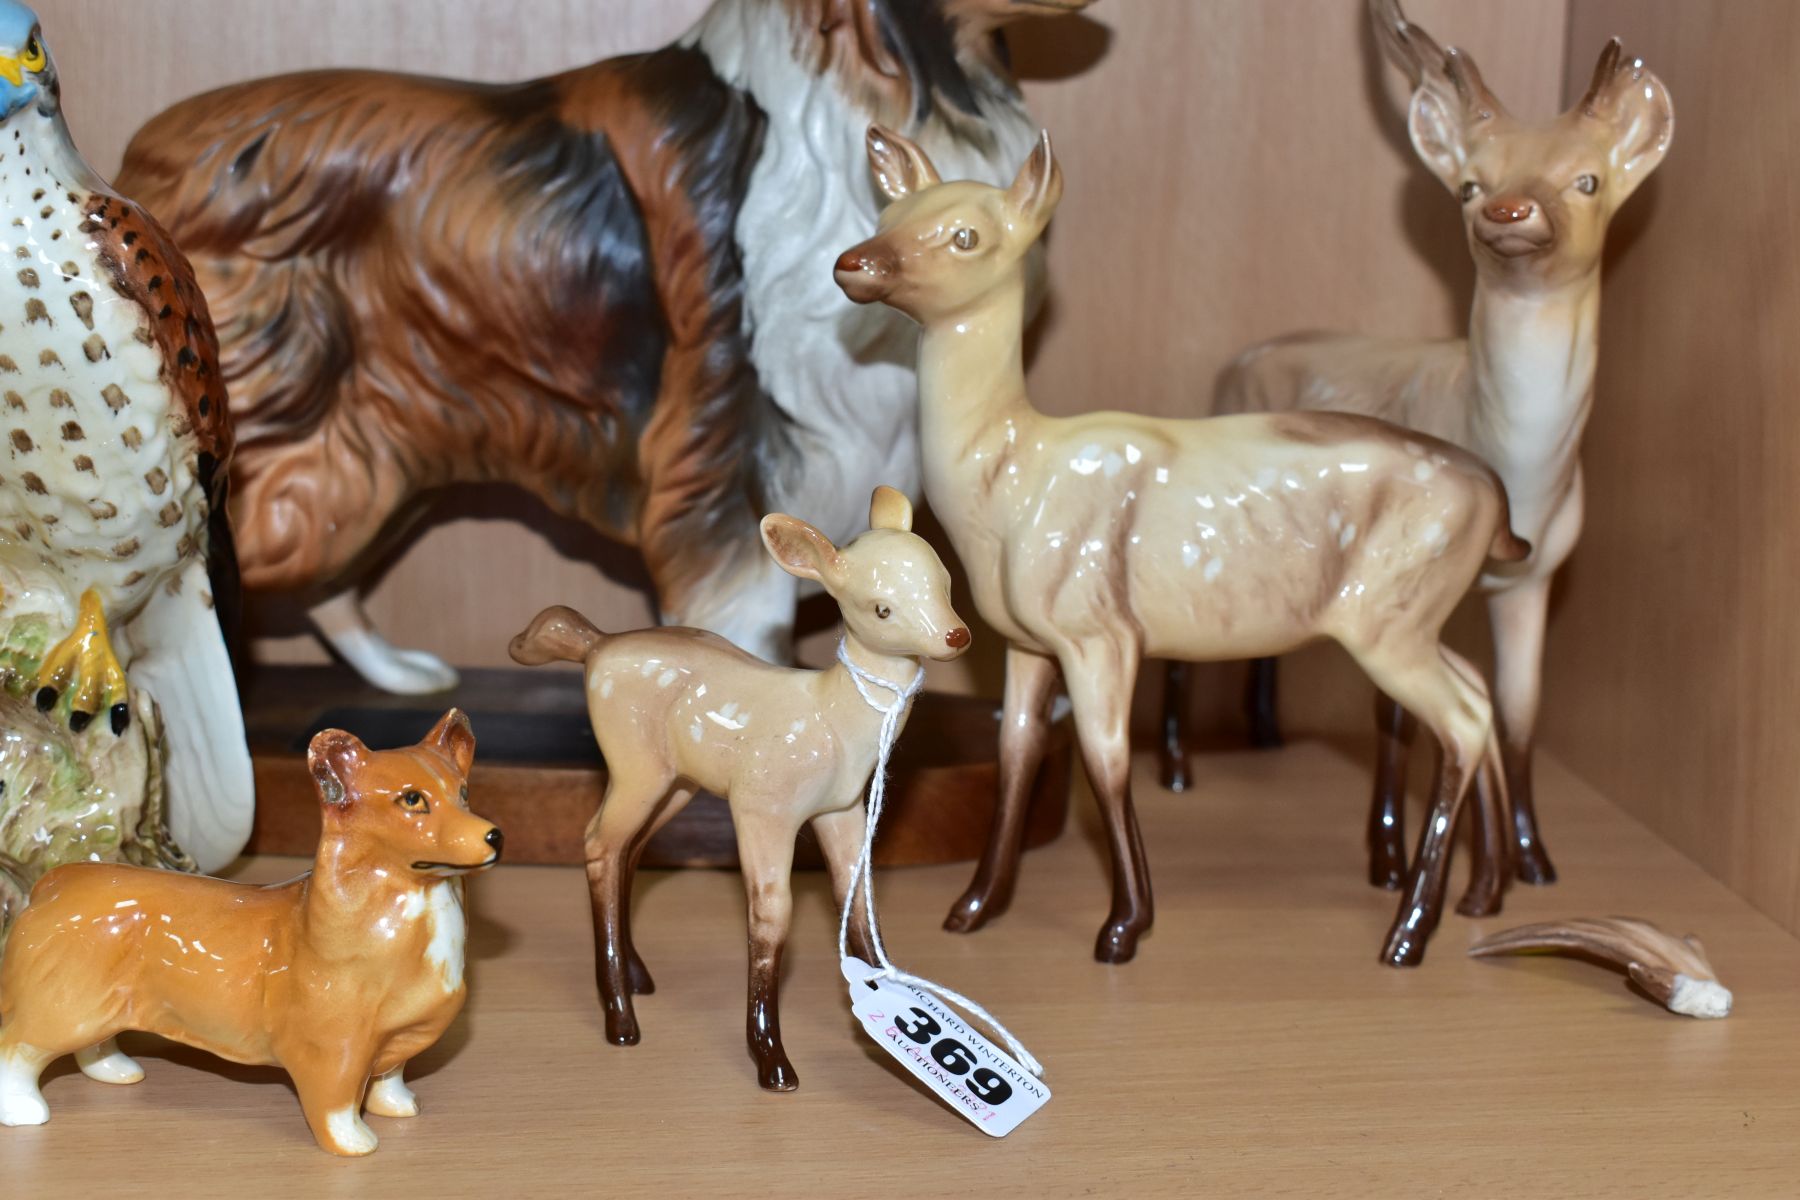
(120, 731)
(675, 710)
(401, 267)
(338, 977)
(1536, 199)
(1092, 541)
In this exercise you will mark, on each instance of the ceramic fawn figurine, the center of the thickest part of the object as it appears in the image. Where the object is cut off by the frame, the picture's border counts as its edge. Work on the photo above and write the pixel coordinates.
(1092, 541)
(338, 977)
(675, 710)
(1536, 200)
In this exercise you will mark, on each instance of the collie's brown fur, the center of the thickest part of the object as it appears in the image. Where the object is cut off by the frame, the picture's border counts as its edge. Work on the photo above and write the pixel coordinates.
(420, 282)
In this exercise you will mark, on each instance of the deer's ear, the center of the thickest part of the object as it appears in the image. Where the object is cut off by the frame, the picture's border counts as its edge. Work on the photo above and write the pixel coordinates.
(800, 549)
(1643, 119)
(890, 509)
(901, 168)
(455, 737)
(1436, 123)
(332, 758)
(1039, 186)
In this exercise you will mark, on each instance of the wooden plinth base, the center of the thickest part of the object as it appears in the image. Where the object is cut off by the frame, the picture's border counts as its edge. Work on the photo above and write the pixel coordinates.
(539, 776)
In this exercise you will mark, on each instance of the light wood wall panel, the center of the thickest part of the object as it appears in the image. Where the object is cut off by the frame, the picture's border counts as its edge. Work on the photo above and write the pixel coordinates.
(1676, 650)
(1237, 169)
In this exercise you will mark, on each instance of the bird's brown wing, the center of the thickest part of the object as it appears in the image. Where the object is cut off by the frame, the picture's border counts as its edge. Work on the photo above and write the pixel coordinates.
(144, 265)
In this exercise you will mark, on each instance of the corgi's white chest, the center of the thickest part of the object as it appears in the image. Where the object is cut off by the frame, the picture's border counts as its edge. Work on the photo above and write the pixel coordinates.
(446, 928)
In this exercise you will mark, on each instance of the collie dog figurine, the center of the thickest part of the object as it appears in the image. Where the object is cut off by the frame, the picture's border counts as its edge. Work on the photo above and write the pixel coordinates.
(339, 976)
(604, 286)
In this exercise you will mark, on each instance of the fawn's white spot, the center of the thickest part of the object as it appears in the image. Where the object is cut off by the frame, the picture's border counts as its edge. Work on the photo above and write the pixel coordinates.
(1423, 470)
(1265, 478)
(1190, 554)
(1213, 569)
(1112, 464)
(1346, 536)
(1087, 460)
(606, 687)
(666, 678)
(696, 731)
(1434, 537)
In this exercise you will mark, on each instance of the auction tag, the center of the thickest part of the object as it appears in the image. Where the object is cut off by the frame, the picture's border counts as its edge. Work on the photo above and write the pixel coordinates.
(977, 1079)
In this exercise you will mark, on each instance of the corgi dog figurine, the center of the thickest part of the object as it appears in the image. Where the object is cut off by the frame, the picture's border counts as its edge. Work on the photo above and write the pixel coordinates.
(338, 977)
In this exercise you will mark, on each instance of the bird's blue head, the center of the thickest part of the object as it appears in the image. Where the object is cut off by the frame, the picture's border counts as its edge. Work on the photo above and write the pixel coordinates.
(26, 75)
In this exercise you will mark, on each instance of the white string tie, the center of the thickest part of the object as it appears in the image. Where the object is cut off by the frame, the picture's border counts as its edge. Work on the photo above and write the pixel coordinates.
(867, 684)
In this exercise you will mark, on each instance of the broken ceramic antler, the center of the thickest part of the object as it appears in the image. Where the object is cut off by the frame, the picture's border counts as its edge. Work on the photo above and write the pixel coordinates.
(1673, 970)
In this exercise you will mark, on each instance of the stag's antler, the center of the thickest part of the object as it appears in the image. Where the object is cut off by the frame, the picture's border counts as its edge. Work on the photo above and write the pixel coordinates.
(1613, 72)
(1674, 970)
(1429, 65)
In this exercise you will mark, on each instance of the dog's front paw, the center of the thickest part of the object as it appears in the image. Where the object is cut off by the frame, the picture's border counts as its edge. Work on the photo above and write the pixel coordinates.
(347, 1135)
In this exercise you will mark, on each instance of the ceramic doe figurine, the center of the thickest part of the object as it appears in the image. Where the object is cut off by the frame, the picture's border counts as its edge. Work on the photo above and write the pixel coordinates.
(338, 977)
(1094, 540)
(1536, 199)
(675, 710)
(553, 283)
(120, 732)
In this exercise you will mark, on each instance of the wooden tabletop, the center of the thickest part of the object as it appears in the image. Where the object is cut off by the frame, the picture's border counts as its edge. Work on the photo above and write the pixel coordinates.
(1255, 1046)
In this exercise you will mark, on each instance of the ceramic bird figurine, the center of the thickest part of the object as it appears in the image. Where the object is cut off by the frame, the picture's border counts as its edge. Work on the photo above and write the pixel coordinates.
(113, 546)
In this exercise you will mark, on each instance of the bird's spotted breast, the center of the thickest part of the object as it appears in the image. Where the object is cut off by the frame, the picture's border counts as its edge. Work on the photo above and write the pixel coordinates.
(86, 418)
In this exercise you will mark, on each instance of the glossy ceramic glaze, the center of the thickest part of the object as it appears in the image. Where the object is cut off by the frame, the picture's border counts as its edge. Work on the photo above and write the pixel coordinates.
(600, 286)
(338, 977)
(1093, 540)
(680, 709)
(1537, 198)
(114, 430)
(1674, 971)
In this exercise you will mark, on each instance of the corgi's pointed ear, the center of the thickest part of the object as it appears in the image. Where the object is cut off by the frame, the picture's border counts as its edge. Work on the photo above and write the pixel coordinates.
(454, 736)
(901, 168)
(332, 757)
(799, 548)
(890, 509)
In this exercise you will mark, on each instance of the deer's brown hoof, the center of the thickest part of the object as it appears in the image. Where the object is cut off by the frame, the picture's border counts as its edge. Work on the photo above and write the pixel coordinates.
(1387, 865)
(1405, 947)
(1265, 735)
(777, 1075)
(973, 910)
(1175, 774)
(638, 975)
(622, 1027)
(1534, 865)
(1483, 899)
(1117, 942)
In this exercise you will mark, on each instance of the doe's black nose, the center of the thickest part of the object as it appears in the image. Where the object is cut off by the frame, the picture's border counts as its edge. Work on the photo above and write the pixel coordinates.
(496, 839)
